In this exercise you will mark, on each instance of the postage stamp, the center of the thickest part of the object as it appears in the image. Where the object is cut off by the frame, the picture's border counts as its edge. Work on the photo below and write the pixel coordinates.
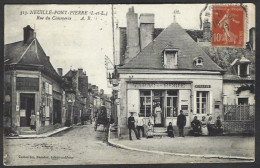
(228, 26)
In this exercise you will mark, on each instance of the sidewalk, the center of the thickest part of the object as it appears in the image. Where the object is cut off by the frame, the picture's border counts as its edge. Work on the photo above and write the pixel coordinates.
(227, 147)
(44, 135)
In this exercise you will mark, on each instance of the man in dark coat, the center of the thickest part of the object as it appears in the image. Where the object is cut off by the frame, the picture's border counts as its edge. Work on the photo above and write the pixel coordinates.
(196, 126)
(131, 126)
(181, 122)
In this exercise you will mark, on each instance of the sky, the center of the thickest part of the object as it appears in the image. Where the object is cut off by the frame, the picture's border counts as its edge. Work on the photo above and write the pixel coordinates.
(82, 43)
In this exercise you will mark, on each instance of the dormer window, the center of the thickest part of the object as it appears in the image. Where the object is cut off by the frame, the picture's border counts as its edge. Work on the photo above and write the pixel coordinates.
(170, 58)
(198, 61)
(242, 67)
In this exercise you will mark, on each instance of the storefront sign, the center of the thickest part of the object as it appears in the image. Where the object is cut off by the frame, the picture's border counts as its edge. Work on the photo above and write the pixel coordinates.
(158, 85)
(184, 107)
(202, 86)
(25, 83)
(22, 113)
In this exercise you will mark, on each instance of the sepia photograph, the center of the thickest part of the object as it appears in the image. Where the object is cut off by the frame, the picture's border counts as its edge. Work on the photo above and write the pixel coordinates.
(94, 84)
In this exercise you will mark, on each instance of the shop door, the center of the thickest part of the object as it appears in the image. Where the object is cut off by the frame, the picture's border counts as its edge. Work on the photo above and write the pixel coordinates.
(158, 108)
(27, 106)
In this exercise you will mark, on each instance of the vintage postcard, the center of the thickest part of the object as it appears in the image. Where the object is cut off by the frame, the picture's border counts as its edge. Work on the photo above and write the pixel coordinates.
(129, 84)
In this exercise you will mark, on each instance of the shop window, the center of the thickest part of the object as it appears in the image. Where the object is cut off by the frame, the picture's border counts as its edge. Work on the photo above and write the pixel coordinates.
(170, 58)
(145, 103)
(242, 101)
(202, 102)
(172, 103)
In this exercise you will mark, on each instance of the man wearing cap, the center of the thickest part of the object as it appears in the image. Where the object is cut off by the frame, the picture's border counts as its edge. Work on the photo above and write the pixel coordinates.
(181, 122)
(131, 126)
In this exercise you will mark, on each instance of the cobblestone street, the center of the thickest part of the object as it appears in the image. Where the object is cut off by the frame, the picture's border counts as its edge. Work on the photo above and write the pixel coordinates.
(82, 145)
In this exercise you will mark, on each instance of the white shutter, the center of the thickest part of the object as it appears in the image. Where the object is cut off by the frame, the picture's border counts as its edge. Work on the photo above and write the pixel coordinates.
(133, 101)
(210, 103)
(194, 103)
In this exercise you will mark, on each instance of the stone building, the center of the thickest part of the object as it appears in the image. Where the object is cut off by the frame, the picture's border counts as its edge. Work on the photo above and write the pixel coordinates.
(76, 90)
(171, 71)
(177, 69)
(33, 86)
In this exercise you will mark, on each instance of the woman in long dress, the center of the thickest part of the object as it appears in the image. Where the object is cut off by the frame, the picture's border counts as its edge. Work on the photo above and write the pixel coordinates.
(158, 111)
(204, 128)
(210, 125)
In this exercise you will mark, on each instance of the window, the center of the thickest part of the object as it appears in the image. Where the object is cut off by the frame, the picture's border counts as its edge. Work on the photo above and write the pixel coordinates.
(202, 102)
(170, 58)
(171, 105)
(242, 101)
(145, 103)
(198, 61)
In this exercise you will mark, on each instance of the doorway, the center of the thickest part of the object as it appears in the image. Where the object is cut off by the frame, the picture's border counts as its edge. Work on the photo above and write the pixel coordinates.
(27, 106)
(56, 111)
(158, 107)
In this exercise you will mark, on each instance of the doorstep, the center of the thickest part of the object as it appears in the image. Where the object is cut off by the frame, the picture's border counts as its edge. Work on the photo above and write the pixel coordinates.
(44, 135)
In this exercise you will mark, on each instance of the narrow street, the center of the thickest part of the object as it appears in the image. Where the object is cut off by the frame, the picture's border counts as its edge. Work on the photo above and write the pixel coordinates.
(79, 146)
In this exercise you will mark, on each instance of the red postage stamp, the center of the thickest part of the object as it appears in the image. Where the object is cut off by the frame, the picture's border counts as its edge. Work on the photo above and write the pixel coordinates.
(228, 24)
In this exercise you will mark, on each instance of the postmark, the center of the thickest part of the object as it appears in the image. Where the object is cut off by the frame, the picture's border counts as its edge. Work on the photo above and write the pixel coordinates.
(228, 26)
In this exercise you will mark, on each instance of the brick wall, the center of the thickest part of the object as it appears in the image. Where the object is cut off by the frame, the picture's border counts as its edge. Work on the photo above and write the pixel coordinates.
(239, 127)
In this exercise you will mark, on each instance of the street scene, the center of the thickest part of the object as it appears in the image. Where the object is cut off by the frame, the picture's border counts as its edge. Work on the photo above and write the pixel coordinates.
(82, 145)
(129, 84)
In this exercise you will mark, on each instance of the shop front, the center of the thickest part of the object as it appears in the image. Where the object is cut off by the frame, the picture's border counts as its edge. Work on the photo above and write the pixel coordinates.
(162, 100)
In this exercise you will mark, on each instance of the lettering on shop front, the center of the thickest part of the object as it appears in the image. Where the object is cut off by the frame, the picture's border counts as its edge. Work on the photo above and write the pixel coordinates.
(158, 85)
(202, 86)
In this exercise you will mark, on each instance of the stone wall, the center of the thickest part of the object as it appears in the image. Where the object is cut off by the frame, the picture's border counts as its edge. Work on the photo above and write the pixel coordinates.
(239, 127)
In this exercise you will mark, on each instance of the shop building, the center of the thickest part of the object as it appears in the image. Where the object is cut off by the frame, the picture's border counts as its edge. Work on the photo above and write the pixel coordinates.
(171, 70)
(32, 84)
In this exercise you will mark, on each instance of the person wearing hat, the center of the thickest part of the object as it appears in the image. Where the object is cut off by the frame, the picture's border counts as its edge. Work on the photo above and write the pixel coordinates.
(181, 122)
(131, 126)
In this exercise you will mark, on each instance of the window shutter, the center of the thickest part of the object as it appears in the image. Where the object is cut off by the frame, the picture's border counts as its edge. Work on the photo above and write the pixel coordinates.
(210, 102)
(194, 103)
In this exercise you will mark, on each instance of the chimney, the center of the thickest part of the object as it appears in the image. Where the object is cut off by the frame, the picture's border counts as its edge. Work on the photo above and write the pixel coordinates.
(206, 30)
(146, 29)
(59, 71)
(252, 38)
(132, 35)
(28, 34)
(80, 70)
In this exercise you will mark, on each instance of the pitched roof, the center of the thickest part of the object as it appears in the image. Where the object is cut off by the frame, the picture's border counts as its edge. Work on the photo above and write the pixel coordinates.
(28, 54)
(172, 37)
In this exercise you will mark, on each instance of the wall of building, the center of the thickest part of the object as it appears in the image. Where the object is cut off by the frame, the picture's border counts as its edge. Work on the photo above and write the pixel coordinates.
(130, 98)
(230, 96)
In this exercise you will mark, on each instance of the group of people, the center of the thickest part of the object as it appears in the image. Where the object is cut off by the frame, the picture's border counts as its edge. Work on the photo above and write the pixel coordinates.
(137, 125)
(206, 127)
(203, 127)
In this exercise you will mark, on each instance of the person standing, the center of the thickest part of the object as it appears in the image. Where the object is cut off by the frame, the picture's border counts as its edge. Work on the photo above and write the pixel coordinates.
(158, 113)
(33, 120)
(210, 126)
(140, 125)
(131, 126)
(181, 122)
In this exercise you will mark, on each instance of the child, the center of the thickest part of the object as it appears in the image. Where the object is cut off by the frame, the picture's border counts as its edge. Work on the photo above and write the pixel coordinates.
(170, 130)
(149, 133)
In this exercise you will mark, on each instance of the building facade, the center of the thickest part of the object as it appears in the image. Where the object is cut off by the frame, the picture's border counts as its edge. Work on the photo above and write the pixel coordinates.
(172, 72)
(33, 85)
(172, 69)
